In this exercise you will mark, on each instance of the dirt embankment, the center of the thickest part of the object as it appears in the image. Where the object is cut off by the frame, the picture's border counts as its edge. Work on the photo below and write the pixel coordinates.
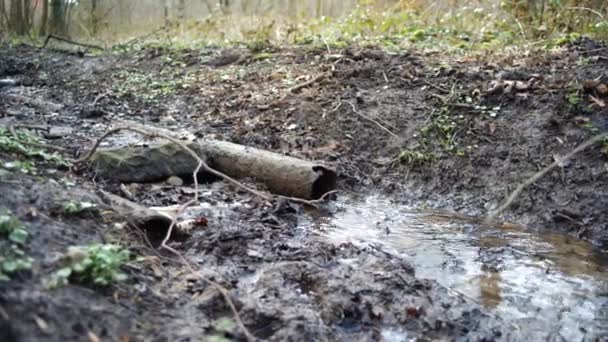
(449, 132)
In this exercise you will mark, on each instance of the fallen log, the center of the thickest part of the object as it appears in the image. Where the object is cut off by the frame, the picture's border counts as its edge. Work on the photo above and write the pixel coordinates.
(282, 174)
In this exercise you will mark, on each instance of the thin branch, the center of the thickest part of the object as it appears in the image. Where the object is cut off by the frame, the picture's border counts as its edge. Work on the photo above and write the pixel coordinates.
(507, 203)
(69, 41)
(600, 15)
(312, 203)
(372, 120)
(314, 80)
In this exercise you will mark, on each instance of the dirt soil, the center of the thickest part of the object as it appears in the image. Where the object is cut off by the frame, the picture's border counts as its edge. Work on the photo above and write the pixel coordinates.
(450, 132)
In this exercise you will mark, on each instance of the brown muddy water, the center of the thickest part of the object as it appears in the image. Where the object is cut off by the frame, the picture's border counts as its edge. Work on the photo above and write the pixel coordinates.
(547, 286)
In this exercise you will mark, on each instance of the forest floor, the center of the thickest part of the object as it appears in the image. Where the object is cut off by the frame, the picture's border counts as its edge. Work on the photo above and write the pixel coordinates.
(451, 132)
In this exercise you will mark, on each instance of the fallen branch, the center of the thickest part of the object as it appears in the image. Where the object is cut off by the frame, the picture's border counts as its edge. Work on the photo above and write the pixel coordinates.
(372, 120)
(312, 203)
(507, 203)
(69, 41)
(203, 165)
(578, 8)
(144, 36)
(314, 80)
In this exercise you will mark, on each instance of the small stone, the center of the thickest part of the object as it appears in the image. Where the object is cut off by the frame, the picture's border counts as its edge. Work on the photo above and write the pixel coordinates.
(57, 132)
(175, 181)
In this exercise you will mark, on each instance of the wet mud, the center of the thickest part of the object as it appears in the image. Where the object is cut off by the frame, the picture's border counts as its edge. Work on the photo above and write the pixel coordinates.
(365, 268)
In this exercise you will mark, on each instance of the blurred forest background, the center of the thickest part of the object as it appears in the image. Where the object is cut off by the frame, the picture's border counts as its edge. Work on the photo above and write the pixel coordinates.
(460, 23)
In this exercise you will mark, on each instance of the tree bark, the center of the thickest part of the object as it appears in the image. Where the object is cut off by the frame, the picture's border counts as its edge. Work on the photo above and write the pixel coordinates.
(16, 23)
(181, 11)
(94, 18)
(3, 15)
(44, 19)
(58, 24)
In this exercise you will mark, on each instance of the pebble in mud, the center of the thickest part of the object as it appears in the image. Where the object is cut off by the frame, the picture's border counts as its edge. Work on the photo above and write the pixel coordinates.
(175, 181)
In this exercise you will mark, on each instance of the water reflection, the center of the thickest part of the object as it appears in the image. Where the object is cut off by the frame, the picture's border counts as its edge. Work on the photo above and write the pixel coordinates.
(547, 285)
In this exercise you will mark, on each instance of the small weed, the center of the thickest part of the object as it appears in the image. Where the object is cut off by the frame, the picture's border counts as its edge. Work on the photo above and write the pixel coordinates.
(72, 207)
(150, 87)
(415, 158)
(259, 40)
(222, 326)
(567, 39)
(25, 166)
(97, 264)
(262, 56)
(443, 129)
(12, 258)
(573, 97)
(29, 145)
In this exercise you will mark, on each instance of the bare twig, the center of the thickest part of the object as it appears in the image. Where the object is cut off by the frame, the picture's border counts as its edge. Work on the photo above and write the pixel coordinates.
(578, 8)
(507, 203)
(134, 40)
(69, 41)
(433, 85)
(314, 80)
(312, 203)
(99, 97)
(596, 50)
(372, 120)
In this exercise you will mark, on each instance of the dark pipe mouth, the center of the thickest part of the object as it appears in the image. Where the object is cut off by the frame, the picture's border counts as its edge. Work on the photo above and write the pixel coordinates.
(325, 182)
(156, 227)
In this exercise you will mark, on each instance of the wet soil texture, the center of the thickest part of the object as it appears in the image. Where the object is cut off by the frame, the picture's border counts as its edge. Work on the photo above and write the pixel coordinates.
(430, 131)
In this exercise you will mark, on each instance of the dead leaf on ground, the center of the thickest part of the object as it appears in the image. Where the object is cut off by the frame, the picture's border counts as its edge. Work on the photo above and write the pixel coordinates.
(581, 120)
(598, 102)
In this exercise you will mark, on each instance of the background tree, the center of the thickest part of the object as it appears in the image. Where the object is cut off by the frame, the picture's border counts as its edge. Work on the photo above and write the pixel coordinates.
(58, 17)
(44, 18)
(17, 23)
(3, 15)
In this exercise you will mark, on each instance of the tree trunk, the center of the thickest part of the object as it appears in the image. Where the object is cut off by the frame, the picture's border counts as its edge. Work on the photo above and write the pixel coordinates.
(181, 11)
(94, 19)
(225, 6)
(44, 18)
(3, 15)
(16, 23)
(28, 14)
(166, 11)
(58, 24)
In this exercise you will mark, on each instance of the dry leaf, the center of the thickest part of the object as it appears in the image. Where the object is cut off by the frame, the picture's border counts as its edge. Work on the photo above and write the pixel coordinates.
(597, 101)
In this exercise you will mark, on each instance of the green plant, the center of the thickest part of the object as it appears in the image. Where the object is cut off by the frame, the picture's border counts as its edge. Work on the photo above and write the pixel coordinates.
(12, 258)
(29, 145)
(12, 228)
(72, 207)
(25, 166)
(573, 97)
(415, 158)
(222, 326)
(97, 264)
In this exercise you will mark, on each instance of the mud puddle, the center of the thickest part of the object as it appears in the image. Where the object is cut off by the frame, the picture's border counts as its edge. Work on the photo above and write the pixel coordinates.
(546, 286)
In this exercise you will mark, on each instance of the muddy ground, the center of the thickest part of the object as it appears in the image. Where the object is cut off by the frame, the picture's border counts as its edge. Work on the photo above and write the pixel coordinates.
(466, 131)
